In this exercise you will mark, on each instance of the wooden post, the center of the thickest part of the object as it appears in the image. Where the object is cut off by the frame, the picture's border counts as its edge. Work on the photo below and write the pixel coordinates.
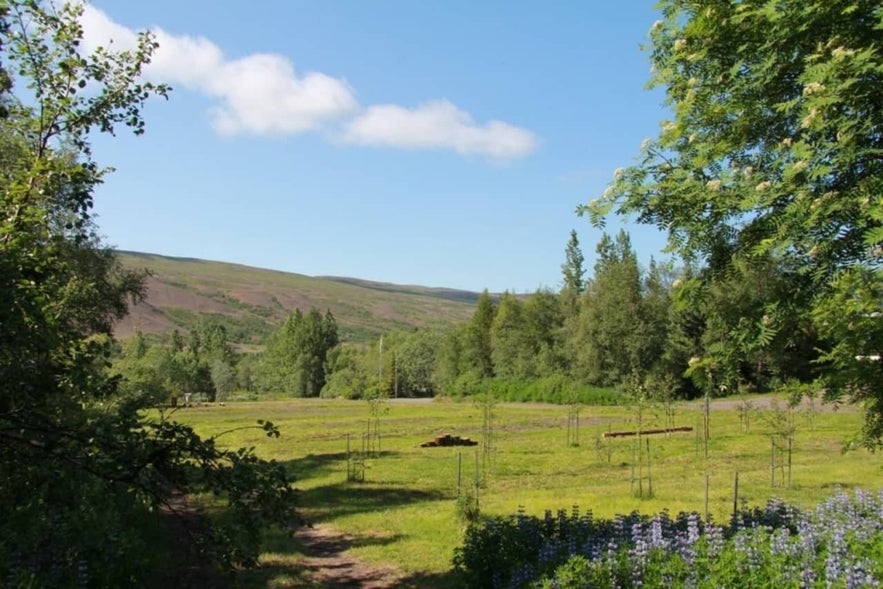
(736, 497)
(790, 439)
(649, 471)
(477, 478)
(706, 498)
(459, 472)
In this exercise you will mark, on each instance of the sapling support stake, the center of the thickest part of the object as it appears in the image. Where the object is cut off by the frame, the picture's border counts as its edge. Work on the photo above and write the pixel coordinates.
(736, 497)
(459, 472)
(706, 497)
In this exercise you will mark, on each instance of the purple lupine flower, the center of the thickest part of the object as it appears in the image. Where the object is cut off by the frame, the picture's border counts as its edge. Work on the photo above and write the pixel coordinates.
(656, 534)
(859, 577)
(834, 565)
(807, 543)
(715, 540)
(693, 528)
(638, 556)
(83, 572)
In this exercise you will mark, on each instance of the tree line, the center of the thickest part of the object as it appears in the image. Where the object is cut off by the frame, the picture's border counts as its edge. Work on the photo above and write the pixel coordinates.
(627, 328)
(636, 330)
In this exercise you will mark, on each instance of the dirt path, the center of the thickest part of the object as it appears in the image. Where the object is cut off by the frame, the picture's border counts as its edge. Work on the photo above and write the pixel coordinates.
(329, 565)
(182, 523)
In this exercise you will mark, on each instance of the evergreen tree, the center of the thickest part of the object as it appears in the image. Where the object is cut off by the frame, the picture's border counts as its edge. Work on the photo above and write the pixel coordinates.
(607, 340)
(477, 348)
(574, 274)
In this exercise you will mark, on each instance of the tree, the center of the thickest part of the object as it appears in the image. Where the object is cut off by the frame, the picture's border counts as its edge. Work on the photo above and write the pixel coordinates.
(574, 273)
(477, 346)
(511, 357)
(82, 465)
(295, 359)
(775, 150)
(608, 342)
(415, 362)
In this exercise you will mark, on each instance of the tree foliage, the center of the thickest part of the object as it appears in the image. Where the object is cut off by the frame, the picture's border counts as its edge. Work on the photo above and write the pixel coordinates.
(573, 272)
(295, 359)
(84, 469)
(774, 151)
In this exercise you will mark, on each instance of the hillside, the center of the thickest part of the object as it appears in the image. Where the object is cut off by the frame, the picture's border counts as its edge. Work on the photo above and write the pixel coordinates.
(251, 301)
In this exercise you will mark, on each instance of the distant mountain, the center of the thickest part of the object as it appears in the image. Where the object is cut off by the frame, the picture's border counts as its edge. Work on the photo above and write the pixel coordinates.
(250, 302)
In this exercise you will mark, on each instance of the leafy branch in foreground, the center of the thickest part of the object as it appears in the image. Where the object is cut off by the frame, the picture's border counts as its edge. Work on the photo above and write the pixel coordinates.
(85, 470)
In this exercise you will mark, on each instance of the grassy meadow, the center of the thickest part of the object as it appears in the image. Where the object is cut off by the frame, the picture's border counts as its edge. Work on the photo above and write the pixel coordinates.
(404, 515)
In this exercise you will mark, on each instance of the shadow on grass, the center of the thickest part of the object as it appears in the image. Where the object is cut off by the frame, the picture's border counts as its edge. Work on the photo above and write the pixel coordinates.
(317, 465)
(332, 501)
(317, 560)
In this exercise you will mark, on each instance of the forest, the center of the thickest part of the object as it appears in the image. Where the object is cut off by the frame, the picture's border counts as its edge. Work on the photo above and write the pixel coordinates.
(605, 336)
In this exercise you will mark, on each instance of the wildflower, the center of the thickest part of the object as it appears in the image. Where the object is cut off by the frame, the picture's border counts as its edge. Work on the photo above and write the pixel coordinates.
(617, 174)
(812, 88)
(679, 44)
(656, 534)
(715, 538)
(809, 119)
(763, 186)
(713, 185)
(841, 52)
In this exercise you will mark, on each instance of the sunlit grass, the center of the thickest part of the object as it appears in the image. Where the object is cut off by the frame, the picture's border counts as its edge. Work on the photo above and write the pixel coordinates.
(405, 511)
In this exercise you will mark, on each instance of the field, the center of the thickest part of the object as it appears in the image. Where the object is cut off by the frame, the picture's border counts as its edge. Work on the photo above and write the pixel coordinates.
(404, 515)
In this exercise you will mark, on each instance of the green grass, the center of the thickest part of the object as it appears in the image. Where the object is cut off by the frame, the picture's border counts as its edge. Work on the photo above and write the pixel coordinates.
(404, 514)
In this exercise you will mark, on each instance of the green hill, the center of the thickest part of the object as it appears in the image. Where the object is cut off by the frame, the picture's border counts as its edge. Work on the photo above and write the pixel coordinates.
(250, 302)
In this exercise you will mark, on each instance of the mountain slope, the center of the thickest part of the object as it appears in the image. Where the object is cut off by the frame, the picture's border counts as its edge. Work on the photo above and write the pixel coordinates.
(251, 301)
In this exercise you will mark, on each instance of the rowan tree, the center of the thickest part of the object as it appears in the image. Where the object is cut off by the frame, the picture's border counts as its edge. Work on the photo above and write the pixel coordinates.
(774, 150)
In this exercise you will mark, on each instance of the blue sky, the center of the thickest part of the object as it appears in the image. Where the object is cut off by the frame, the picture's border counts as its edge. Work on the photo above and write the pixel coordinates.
(432, 143)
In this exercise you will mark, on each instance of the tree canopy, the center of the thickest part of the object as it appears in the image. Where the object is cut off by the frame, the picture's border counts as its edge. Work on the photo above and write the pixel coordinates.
(774, 152)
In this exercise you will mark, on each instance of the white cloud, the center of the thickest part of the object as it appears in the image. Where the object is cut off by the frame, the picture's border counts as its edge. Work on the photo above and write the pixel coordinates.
(99, 30)
(263, 94)
(260, 94)
(438, 125)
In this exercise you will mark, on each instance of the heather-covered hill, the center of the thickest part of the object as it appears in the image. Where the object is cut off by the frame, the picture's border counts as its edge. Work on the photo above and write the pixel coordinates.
(250, 301)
